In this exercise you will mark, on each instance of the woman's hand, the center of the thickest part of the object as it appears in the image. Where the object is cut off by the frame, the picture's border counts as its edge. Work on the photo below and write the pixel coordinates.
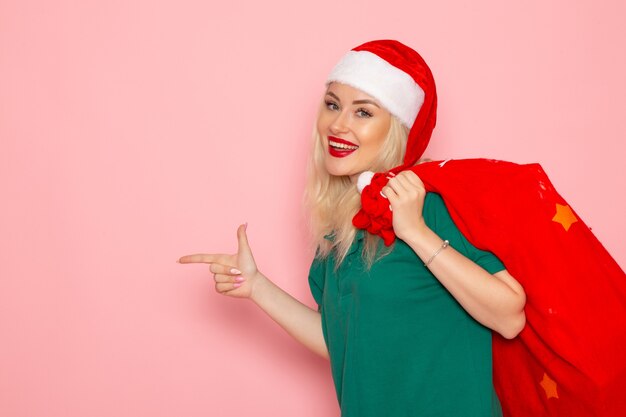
(235, 275)
(406, 194)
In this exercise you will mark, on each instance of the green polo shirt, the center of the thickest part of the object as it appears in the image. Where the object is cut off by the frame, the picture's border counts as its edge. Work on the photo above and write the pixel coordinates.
(400, 345)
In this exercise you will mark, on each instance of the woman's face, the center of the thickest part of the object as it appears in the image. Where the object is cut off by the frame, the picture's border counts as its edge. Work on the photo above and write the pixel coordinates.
(353, 127)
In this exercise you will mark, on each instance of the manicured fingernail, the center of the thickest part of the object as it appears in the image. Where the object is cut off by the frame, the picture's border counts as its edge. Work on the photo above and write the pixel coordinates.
(237, 285)
(245, 226)
(235, 271)
(239, 278)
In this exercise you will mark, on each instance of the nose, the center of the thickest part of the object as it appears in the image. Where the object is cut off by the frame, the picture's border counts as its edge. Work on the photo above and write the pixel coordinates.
(341, 123)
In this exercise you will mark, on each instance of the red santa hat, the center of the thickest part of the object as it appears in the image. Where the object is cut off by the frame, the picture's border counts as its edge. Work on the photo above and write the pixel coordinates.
(400, 80)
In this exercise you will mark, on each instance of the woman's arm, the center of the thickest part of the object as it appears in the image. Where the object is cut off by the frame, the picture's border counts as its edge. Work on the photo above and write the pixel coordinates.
(497, 301)
(237, 276)
(300, 321)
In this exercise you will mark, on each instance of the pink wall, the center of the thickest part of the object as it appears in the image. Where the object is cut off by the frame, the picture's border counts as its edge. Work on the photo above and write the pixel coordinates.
(133, 132)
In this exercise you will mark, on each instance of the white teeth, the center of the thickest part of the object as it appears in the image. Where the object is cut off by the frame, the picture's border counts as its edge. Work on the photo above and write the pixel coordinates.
(342, 145)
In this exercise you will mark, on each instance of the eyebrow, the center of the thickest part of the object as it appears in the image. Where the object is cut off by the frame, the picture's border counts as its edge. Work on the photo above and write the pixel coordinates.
(330, 93)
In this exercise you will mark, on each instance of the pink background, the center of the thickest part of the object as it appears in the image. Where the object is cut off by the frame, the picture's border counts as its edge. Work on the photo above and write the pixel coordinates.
(134, 132)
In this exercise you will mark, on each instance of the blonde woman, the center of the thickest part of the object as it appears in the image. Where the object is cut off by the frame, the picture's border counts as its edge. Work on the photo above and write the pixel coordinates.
(407, 328)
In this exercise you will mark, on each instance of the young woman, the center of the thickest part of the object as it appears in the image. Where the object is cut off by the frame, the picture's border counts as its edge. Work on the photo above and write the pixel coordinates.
(407, 328)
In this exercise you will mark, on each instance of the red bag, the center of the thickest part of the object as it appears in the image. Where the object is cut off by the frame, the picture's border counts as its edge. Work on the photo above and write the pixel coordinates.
(570, 359)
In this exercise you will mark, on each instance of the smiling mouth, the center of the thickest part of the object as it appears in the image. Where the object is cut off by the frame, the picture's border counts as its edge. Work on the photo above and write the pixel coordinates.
(339, 147)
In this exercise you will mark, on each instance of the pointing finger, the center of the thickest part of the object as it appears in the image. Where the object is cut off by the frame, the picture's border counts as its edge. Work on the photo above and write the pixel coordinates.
(204, 258)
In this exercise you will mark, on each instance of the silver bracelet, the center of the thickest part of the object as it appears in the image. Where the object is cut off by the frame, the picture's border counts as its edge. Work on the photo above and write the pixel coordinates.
(444, 245)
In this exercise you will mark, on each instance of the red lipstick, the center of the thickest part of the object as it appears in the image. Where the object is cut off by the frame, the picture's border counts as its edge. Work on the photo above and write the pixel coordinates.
(340, 148)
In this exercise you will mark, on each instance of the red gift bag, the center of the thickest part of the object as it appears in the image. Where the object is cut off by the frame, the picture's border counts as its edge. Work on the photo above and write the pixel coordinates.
(570, 359)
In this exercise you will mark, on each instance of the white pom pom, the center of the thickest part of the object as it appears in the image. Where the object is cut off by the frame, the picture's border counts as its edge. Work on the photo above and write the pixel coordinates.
(364, 180)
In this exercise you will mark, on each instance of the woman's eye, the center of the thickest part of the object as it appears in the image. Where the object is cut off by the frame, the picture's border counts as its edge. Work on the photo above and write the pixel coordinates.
(331, 105)
(363, 113)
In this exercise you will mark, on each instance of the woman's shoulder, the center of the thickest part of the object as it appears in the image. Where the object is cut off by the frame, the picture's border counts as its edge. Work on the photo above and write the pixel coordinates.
(434, 205)
(436, 214)
(433, 198)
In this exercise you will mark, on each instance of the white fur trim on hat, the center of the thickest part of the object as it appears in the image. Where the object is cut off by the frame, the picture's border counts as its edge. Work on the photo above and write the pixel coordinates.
(392, 87)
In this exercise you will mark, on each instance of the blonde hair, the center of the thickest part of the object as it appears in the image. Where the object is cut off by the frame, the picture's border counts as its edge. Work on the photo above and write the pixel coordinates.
(333, 201)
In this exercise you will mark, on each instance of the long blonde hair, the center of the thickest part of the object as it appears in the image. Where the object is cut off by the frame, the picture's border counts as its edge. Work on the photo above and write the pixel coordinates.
(332, 200)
